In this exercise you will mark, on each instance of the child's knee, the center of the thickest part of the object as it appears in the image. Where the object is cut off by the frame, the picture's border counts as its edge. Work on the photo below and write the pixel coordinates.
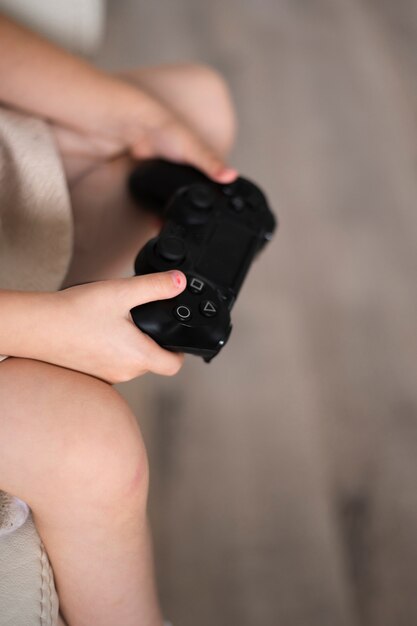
(105, 461)
(219, 110)
(67, 436)
(199, 93)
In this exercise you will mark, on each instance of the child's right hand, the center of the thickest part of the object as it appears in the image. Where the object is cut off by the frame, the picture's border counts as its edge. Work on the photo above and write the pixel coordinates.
(89, 328)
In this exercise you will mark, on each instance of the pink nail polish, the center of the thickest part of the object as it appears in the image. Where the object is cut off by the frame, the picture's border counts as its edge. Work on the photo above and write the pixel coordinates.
(177, 277)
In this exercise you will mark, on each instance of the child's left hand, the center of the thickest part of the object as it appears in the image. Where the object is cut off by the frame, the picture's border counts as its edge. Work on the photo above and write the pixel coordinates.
(145, 129)
(110, 115)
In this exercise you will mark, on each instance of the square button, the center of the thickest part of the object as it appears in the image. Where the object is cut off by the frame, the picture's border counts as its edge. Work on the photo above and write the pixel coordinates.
(196, 285)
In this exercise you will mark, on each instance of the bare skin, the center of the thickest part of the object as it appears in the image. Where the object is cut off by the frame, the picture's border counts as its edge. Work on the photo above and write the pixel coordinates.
(69, 444)
(72, 450)
(45, 80)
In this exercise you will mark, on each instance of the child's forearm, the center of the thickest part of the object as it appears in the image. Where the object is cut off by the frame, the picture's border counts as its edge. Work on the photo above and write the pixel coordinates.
(42, 78)
(24, 321)
(45, 80)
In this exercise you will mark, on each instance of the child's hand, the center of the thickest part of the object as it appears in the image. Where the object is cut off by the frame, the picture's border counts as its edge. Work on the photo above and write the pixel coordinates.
(143, 126)
(155, 130)
(74, 94)
(89, 328)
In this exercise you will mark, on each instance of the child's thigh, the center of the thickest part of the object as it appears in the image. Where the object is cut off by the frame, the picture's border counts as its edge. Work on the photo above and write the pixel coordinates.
(109, 229)
(198, 93)
(64, 432)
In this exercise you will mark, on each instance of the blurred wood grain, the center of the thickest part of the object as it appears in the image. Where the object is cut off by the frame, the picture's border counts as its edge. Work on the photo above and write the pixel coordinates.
(283, 475)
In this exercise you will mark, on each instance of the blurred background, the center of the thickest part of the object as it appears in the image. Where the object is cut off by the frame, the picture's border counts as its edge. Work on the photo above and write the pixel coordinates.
(283, 474)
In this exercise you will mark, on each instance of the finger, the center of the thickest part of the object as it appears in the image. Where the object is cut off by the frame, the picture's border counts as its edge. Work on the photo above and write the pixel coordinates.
(198, 153)
(168, 136)
(142, 148)
(157, 359)
(173, 140)
(151, 287)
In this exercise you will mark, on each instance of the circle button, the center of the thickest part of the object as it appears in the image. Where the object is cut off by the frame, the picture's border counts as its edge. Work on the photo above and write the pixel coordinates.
(182, 313)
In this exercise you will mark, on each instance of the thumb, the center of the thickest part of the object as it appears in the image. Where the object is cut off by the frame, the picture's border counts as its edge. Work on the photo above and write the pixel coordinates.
(152, 287)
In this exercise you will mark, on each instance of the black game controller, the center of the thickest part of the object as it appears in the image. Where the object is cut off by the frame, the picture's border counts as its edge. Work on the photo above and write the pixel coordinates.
(212, 233)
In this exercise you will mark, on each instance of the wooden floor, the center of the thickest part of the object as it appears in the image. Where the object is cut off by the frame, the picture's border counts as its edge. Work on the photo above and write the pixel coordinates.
(283, 487)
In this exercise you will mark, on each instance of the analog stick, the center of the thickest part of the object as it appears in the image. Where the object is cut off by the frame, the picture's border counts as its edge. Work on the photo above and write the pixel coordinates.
(171, 248)
(201, 196)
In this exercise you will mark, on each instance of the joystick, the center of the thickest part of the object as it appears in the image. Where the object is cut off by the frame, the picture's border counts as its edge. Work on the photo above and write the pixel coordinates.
(212, 233)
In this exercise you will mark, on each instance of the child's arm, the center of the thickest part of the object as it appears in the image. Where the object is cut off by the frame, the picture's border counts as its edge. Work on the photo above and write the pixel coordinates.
(88, 327)
(41, 78)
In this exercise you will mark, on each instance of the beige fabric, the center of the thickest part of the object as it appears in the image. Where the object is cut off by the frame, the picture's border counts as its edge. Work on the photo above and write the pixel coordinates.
(36, 231)
(13, 513)
(27, 591)
(36, 241)
(35, 211)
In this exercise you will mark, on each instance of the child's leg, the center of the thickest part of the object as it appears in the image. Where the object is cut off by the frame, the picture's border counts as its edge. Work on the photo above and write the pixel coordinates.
(109, 229)
(70, 447)
(198, 93)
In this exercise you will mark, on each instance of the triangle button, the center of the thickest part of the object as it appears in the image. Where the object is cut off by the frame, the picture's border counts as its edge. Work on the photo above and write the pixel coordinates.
(208, 308)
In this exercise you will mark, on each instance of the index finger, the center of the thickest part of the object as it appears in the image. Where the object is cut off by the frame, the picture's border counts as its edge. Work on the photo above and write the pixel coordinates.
(197, 153)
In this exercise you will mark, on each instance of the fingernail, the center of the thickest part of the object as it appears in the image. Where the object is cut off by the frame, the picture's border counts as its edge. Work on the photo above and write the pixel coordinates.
(177, 277)
(226, 175)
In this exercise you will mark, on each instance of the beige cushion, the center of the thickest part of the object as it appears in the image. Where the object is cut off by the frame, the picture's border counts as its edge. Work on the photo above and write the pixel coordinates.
(27, 592)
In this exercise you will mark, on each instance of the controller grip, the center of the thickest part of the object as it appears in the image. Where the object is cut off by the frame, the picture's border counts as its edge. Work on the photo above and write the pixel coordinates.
(154, 181)
(156, 319)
